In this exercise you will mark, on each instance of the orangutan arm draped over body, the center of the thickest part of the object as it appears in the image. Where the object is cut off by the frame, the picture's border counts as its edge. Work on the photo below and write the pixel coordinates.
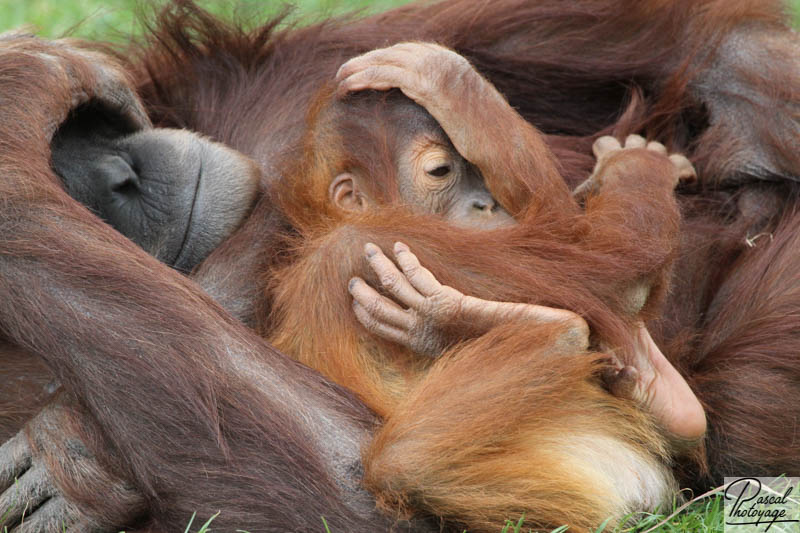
(627, 191)
(705, 68)
(375, 168)
(190, 405)
(568, 67)
(635, 207)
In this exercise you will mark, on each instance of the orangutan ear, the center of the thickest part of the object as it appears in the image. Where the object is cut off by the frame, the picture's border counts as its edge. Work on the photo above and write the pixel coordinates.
(345, 194)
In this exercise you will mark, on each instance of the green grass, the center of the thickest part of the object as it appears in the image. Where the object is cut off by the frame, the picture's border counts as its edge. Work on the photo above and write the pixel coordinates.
(115, 19)
(704, 514)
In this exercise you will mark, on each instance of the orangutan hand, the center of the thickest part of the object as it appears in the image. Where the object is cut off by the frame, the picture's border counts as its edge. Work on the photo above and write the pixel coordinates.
(44, 465)
(427, 316)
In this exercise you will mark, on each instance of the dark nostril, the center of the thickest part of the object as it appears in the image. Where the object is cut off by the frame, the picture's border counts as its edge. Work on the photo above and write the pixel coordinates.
(118, 175)
(480, 205)
(126, 187)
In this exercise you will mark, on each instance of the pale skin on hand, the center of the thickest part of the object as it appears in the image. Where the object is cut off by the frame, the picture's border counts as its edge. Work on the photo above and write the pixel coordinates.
(420, 70)
(462, 102)
(430, 307)
(606, 147)
(650, 379)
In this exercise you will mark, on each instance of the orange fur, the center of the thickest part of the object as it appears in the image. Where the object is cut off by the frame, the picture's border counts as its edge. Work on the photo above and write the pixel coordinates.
(147, 359)
(487, 449)
(480, 451)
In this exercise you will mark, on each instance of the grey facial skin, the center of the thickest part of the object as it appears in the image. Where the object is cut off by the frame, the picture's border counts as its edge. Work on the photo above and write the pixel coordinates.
(176, 194)
(432, 176)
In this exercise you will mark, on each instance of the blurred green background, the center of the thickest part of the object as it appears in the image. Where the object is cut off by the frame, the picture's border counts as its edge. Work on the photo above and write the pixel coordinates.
(115, 19)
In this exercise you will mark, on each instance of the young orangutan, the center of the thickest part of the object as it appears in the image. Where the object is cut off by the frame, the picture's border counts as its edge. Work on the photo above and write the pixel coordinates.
(379, 167)
(470, 435)
(371, 157)
(582, 49)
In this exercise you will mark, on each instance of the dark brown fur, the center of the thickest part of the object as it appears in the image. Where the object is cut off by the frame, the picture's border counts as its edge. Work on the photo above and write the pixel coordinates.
(109, 319)
(66, 299)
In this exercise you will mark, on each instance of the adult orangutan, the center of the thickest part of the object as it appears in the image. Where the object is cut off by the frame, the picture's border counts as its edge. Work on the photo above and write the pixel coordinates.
(303, 411)
(551, 64)
(178, 193)
(456, 189)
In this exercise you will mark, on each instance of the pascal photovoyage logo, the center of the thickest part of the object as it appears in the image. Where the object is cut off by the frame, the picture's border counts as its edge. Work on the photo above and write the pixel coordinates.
(762, 504)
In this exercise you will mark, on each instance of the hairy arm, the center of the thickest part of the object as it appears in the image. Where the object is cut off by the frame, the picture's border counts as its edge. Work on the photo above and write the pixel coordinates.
(518, 167)
(179, 390)
(434, 316)
(632, 215)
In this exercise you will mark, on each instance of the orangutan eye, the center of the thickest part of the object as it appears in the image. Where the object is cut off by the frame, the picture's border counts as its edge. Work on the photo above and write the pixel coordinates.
(438, 170)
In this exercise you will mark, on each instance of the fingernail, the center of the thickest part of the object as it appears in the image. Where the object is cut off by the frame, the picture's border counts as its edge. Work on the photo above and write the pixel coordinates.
(399, 247)
(370, 249)
(352, 284)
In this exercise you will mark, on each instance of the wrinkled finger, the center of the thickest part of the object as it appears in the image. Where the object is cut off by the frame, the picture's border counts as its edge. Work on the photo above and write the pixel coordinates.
(416, 46)
(354, 64)
(379, 307)
(405, 51)
(686, 171)
(378, 328)
(576, 329)
(394, 281)
(420, 277)
(24, 496)
(635, 141)
(394, 56)
(54, 515)
(605, 145)
(380, 78)
(655, 146)
(415, 53)
(15, 458)
(350, 67)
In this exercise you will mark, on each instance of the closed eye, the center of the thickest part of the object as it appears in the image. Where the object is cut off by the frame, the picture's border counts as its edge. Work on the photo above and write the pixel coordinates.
(439, 171)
